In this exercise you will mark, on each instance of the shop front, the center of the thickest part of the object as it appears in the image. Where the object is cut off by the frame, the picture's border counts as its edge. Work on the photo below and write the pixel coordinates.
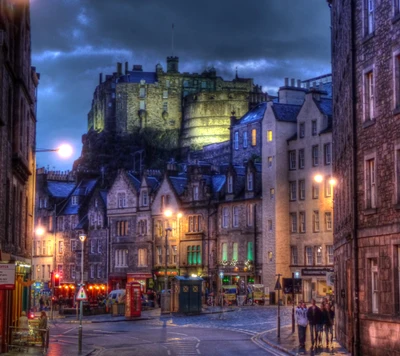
(145, 279)
(116, 281)
(317, 283)
(160, 280)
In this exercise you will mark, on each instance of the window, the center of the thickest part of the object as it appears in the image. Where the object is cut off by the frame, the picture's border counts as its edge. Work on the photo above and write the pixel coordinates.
(292, 160)
(327, 154)
(225, 217)
(121, 200)
(302, 218)
(301, 158)
(193, 255)
(185, 83)
(309, 256)
(145, 198)
(329, 254)
(245, 140)
(370, 186)
(91, 271)
(272, 193)
(370, 16)
(269, 225)
(195, 192)
(72, 271)
(328, 220)
(319, 256)
(60, 223)
(269, 161)
(122, 228)
(60, 269)
(302, 189)
(174, 253)
(92, 246)
(142, 257)
(314, 128)
(121, 258)
(99, 271)
(224, 250)
(142, 227)
(250, 214)
(38, 246)
(328, 186)
(165, 94)
(316, 220)
(235, 251)
(235, 216)
(73, 245)
(159, 255)
(249, 181)
(293, 222)
(269, 136)
(292, 190)
(253, 137)
(369, 96)
(198, 255)
(230, 184)
(236, 140)
(293, 253)
(250, 251)
(315, 155)
(74, 200)
(374, 285)
(142, 92)
(195, 223)
(60, 246)
(49, 244)
(142, 105)
(165, 106)
(43, 247)
(302, 129)
(315, 191)
(99, 247)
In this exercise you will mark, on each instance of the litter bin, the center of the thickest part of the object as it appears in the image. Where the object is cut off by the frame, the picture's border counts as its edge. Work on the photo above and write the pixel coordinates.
(272, 300)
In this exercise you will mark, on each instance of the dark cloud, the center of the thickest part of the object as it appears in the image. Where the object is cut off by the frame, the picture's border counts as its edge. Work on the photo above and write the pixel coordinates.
(74, 40)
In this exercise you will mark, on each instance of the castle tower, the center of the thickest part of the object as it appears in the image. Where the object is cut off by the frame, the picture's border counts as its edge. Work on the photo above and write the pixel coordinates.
(172, 64)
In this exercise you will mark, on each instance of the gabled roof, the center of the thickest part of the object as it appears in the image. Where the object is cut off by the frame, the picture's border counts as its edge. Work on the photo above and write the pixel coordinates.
(60, 189)
(83, 189)
(179, 184)
(137, 76)
(135, 181)
(286, 112)
(152, 183)
(256, 114)
(103, 195)
(324, 105)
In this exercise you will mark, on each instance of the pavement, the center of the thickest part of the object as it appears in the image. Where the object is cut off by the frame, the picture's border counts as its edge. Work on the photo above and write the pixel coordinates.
(287, 343)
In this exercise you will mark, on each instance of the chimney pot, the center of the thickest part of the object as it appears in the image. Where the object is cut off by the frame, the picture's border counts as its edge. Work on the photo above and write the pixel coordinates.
(298, 83)
(292, 82)
(286, 82)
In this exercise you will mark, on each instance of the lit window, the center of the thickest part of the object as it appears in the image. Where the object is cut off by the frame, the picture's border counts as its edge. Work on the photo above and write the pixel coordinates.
(235, 251)
(250, 251)
(269, 161)
(122, 228)
(253, 137)
(328, 221)
(272, 193)
(319, 256)
(142, 257)
(269, 135)
(236, 140)
(369, 96)
(224, 251)
(328, 186)
(293, 250)
(301, 158)
(370, 186)
(245, 141)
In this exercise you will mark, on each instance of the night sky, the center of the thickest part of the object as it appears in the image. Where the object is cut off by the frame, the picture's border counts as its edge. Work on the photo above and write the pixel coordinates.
(75, 40)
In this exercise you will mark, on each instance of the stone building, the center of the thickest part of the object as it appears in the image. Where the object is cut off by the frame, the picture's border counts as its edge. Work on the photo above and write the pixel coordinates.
(17, 157)
(194, 108)
(365, 59)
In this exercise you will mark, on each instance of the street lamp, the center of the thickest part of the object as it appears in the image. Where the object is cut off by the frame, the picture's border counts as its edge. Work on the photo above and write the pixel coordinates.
(63, 150)
(165, 297)
(82, 237)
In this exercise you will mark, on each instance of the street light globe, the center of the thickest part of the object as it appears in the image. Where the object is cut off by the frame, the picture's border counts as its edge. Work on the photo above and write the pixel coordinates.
(65, 150)
(318, 178)
(168, 213)
(39, 231)
(82, 237)
(332, 181)
(179, 215)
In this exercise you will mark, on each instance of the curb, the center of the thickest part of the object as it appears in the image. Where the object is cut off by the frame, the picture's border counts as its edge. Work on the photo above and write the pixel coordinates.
(273, 345)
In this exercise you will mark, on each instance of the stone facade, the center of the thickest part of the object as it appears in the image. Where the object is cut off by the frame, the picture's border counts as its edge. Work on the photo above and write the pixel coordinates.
(17, 154)
(365, 60)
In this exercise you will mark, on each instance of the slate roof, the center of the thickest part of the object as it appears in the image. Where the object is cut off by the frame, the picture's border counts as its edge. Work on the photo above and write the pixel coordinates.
(83, 223)
(134, 180)
(137, 76)
(286, 112)
(152, 182)
(179, 184)
(60, 189)
(85, 186)
(325, 106)
(218, 182)
(103, 195)
(256, 114)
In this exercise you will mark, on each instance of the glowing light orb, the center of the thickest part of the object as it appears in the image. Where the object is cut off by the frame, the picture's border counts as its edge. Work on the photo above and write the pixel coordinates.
(65, 151)
(318, 178)
(40, 231)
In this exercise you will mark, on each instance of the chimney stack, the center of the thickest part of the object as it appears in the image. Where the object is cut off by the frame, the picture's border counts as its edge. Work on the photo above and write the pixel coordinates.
(286, 82)
(119, 69)
(292, 82)
(298, 83)
(100, 78)
(126, 68)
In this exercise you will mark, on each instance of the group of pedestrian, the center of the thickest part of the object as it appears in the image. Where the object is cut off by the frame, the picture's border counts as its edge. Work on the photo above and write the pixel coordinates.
(320, 320)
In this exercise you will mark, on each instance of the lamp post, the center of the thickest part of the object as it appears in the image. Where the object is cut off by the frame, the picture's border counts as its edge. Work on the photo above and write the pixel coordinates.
(82, 237)
(165, 296)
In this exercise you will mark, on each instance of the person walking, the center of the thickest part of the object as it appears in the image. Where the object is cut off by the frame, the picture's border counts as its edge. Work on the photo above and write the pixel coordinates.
(43, 327)
(302, 321)
(314, 317)
(41, 303)
(330, 316)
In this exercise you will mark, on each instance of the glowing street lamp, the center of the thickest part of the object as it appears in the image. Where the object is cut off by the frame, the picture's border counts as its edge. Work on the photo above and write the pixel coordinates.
(318, 178)
(40, 231)
(64, 150)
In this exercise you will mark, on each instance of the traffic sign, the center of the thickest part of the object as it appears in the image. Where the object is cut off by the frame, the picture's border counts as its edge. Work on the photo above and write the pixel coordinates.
(81, 294)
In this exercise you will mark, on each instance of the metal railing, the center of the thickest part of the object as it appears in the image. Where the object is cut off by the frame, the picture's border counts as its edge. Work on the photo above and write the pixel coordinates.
(24, 339)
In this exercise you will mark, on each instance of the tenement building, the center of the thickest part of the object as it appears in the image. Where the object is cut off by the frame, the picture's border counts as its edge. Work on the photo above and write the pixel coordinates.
(366, 152)
(17, 161)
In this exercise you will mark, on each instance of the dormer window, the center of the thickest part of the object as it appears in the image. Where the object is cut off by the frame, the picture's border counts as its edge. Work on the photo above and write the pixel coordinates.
(196, 192)
(250, 181)
(245, 140)
(121, 200)
(75, 200)
(230, 184)
(236, 140)
(145, 198)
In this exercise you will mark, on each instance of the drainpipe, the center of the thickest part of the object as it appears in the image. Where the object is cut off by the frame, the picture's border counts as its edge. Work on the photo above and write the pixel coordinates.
(208, 244)
(356, 309)
(255, 242)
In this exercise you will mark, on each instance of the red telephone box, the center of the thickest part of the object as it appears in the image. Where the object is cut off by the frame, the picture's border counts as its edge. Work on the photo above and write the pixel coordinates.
(133, 305)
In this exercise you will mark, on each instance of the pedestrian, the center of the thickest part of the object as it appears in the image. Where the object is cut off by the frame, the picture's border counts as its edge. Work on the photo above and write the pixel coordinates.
(330, 314)
(41, 303)
(43, 327)
(321, 324)
(23, 323)
(302, 321)
(313, 316)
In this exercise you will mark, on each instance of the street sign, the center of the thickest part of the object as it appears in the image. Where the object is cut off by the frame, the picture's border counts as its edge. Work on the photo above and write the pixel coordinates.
(7, 276)
(288, 285)
(81, 294)
(278, 284)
